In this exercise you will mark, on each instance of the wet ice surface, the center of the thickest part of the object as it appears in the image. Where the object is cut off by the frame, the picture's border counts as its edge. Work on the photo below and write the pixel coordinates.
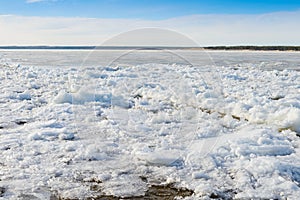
(221, 131)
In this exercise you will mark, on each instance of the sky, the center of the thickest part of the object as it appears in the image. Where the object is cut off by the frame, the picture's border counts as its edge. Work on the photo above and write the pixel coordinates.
(92, 22)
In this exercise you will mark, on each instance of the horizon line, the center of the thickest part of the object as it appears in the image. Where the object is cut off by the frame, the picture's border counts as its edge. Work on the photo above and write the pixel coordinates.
(212, 47)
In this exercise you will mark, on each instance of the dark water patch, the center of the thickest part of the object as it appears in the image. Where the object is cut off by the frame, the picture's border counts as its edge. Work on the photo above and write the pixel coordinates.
(168, 191)
(21, 122)
(276, 98)
(154, 192)
(2, 191)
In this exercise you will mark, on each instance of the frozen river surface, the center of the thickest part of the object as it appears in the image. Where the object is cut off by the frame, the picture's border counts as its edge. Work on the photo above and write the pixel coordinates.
(113, 124)
(71, 58)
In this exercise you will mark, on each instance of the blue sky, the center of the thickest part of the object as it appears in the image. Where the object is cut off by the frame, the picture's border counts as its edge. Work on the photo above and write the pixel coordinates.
(142, 9)
(92, 22)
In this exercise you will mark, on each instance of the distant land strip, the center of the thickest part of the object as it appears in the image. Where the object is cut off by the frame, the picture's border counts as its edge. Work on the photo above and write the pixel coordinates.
(251, 48)
(256, 48)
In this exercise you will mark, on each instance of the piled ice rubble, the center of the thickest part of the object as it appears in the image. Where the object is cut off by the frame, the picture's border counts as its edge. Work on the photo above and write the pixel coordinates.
(86, 132)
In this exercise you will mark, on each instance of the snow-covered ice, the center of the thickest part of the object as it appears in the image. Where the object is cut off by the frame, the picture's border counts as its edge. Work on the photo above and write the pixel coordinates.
(89, 131)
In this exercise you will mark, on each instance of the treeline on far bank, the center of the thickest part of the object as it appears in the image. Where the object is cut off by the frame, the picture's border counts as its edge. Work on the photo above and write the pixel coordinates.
(256, 48)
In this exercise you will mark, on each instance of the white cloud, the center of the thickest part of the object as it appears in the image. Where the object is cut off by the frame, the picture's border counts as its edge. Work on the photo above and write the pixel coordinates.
(266, 29)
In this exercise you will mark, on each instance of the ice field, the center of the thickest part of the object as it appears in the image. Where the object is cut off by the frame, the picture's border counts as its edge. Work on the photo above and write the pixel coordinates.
(81, 124)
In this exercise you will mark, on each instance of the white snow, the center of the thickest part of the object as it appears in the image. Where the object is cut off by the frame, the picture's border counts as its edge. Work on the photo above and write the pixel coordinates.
(66, 130)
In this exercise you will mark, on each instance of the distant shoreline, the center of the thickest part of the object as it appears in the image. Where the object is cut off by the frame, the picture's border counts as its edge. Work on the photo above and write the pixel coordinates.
(251, 48)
